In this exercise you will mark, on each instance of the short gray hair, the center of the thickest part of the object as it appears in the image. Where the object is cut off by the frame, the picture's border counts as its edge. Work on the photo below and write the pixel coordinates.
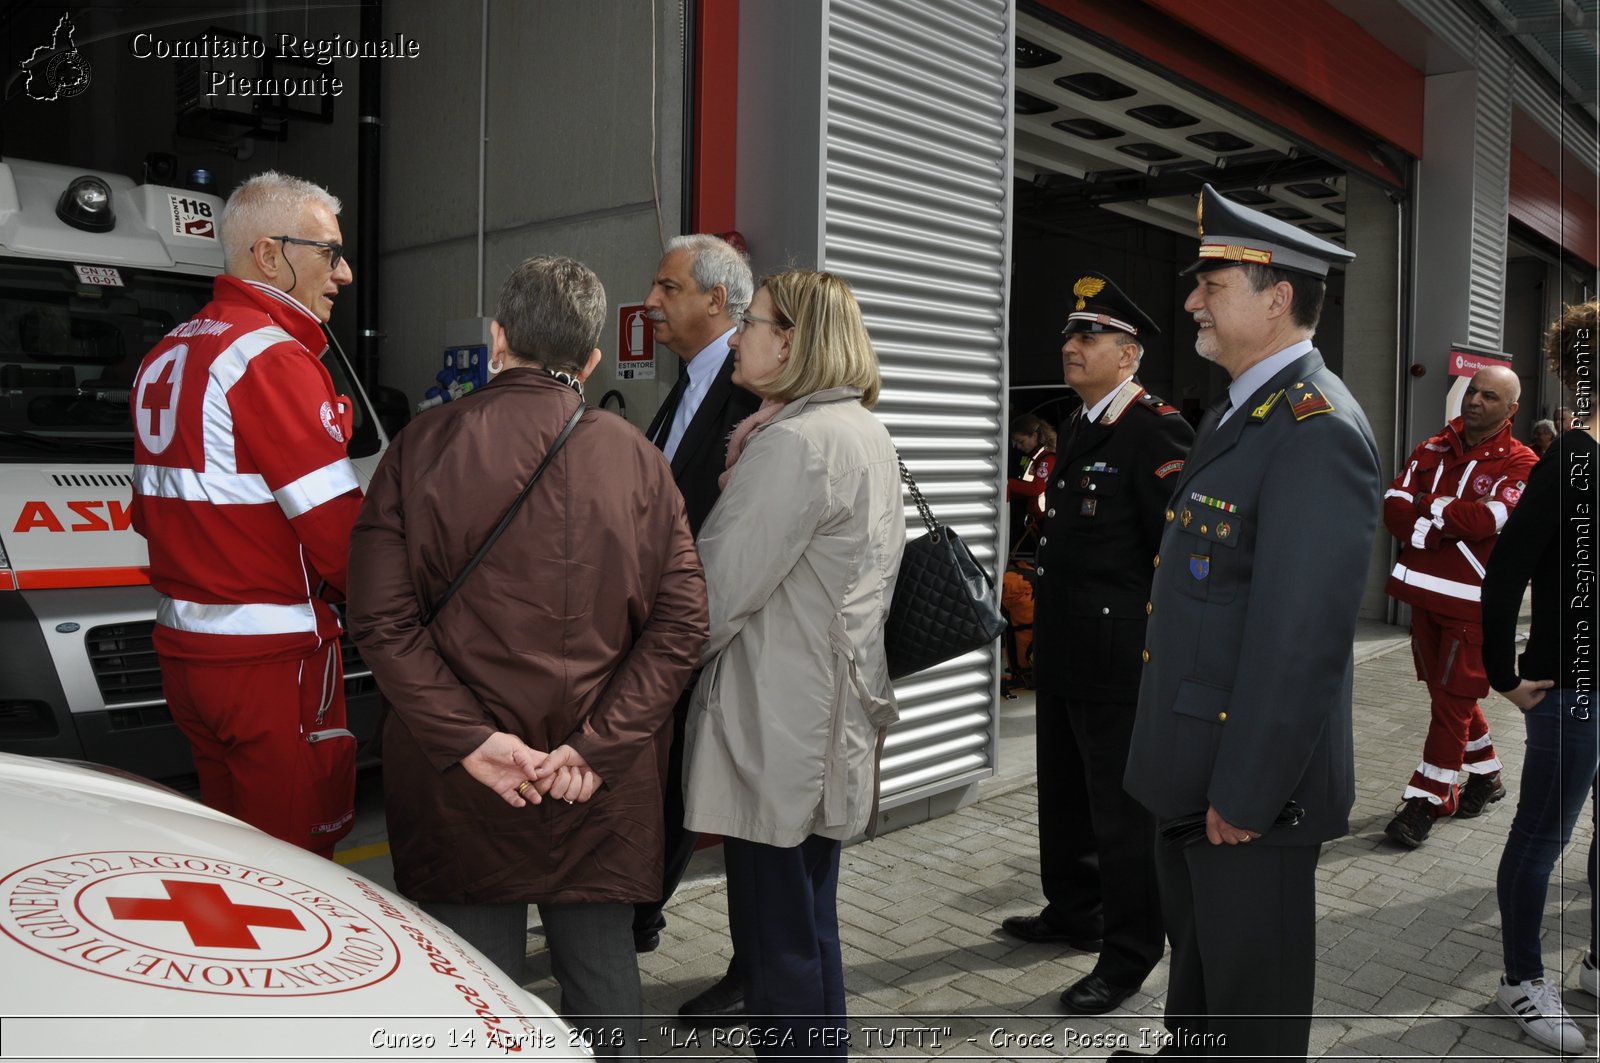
(552, 309)
(268, 204)
(714, 261)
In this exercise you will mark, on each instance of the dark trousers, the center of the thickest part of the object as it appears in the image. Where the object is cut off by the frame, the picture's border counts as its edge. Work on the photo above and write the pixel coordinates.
(680, 843)
(1069, 869)
(1242, 923)
(1558, 778)
(591, 956)
(783, 917)
(1087, 818)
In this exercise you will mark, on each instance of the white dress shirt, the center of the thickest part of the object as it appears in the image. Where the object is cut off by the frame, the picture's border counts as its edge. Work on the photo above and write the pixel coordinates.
(703, 369)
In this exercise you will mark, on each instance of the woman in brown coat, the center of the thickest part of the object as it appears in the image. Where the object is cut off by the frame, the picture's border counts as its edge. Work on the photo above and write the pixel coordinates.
(526, 749)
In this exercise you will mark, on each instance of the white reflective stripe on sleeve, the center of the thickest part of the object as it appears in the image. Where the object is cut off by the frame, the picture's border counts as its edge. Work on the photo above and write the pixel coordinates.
(218, 488)
(226, 371)
(1436, 507)
(1447, 587)
(1419, 533)
(237, 619)
(1395, 492)
(1472, 559)
(1482, 742)
(315, 488)
(1498, 508)
(1437, 774)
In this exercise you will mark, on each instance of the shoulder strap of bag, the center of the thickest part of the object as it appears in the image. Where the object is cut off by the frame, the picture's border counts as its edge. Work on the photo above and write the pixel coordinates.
(505, 521)
(923, 508)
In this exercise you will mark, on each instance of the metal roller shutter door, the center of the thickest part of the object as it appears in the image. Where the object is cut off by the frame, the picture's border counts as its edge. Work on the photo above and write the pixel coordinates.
(917, 179)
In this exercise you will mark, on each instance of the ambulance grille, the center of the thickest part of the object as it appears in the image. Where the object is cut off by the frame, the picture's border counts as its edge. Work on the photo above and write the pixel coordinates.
(91, 479)
(129, 675)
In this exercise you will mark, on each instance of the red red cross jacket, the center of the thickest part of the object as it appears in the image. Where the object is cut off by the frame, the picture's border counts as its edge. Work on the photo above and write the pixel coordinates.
(241, 484)
(1447, 507)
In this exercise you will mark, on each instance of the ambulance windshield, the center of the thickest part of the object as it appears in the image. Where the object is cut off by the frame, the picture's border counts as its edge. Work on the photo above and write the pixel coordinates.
(72, 337)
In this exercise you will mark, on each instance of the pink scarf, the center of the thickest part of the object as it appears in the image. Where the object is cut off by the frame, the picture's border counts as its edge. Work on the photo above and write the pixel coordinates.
(741, 435)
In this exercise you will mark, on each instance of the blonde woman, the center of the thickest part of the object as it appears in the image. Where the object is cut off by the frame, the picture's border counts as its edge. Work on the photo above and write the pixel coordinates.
(801, 554)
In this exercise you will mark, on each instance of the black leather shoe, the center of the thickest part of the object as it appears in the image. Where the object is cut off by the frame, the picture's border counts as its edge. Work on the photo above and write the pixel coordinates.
(721, 1005)
(1093, 995)
(1038, 929)
(648, 938)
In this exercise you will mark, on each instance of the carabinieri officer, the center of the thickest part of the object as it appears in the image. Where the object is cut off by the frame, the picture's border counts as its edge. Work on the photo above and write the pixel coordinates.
(1116, 461)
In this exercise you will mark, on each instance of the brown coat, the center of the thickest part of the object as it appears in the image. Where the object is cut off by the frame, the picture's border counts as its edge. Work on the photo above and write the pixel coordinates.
(580, 626)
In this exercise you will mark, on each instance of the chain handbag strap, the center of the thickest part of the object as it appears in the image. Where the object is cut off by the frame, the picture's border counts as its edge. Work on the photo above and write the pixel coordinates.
(922, 503)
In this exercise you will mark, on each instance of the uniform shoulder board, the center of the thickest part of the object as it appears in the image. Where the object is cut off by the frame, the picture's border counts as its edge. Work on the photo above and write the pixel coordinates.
(1307, 400)
(1158, 404)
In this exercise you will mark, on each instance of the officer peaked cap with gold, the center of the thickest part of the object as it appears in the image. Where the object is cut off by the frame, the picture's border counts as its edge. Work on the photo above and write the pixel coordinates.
(1098, 305)
(1232, 234)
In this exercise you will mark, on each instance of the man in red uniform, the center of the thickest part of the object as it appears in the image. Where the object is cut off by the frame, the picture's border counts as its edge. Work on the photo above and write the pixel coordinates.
(244, 491)
(1447, 507)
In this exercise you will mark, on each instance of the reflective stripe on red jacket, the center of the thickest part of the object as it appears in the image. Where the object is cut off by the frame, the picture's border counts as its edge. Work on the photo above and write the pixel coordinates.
(1447, 507)
(242, 485)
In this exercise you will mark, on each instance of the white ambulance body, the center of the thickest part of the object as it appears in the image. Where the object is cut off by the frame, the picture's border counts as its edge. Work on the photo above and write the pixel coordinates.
(136, 923)
(93, 272)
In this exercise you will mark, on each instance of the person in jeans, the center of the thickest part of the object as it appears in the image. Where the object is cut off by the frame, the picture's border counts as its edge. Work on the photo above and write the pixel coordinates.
(1549, 541)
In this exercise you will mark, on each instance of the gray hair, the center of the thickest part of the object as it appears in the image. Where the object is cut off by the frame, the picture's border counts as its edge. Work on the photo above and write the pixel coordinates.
(268, 204)
(552, 309)
(1547, 424)
(714, 261)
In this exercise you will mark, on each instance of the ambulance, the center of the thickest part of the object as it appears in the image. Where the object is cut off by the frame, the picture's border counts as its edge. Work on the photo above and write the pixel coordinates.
(94, 270)
(136, 923)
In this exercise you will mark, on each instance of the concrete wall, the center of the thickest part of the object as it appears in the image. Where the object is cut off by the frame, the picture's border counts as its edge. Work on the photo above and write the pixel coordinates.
(570, 105)
(1369, 320)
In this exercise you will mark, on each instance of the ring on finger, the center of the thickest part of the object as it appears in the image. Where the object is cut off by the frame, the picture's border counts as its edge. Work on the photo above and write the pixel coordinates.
(524, 787)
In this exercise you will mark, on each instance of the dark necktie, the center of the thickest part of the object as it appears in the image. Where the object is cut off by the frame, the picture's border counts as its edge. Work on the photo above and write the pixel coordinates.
(661, 427)
(1212, 417)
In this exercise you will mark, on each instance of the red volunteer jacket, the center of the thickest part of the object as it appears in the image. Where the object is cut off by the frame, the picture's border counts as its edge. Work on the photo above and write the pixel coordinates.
(241, 482)
(1447, 507)
(1035, 477)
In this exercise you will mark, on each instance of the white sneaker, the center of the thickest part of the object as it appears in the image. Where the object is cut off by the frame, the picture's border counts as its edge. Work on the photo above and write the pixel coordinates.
(1589, 976)
(1537, 1006)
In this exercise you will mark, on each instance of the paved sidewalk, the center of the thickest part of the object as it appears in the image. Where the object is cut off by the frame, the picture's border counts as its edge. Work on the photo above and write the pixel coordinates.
(1409, 941)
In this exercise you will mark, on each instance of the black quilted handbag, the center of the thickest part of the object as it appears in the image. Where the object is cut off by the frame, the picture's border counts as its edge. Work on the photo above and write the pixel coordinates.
(944, 602)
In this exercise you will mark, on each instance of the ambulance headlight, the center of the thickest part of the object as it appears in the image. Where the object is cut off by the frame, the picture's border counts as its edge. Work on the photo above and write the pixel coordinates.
(86, 204)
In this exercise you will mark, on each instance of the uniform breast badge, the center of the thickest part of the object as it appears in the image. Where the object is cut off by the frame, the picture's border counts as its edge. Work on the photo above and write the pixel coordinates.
(1199, 566)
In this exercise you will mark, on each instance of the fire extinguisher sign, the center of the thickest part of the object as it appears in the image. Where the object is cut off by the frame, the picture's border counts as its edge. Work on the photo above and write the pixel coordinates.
(636, 344)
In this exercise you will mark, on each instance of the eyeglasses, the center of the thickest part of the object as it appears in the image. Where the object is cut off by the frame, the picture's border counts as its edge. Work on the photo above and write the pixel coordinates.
(335, 251)
(746, 320)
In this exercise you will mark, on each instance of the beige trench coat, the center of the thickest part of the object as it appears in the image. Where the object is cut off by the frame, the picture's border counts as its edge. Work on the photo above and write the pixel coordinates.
(801, 554)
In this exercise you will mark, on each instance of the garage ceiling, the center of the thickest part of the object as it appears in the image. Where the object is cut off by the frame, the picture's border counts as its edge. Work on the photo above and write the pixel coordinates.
(1094, 130)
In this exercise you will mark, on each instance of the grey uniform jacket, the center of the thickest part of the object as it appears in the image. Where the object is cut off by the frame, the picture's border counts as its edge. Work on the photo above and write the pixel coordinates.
(1245, 698)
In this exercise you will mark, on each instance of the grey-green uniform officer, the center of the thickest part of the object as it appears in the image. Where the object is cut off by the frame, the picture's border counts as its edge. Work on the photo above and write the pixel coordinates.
(1244, 707)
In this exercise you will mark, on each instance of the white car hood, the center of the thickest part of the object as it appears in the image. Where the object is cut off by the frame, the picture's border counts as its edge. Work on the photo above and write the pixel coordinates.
(137, 923)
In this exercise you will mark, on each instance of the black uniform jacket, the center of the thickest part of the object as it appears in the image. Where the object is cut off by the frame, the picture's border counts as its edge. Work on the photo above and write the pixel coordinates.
(702, 453)
(1101, 526)
(1245, 700)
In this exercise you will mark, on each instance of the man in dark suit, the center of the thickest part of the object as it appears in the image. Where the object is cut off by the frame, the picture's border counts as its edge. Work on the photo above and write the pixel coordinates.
(701, 290)
(1243, 731)
(1116, 462)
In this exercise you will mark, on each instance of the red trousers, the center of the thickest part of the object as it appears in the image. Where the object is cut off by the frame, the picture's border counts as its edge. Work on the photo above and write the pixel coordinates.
(1449, 659)
(271, 743)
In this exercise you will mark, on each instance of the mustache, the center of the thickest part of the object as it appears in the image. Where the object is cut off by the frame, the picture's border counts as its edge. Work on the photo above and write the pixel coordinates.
(655, 316)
